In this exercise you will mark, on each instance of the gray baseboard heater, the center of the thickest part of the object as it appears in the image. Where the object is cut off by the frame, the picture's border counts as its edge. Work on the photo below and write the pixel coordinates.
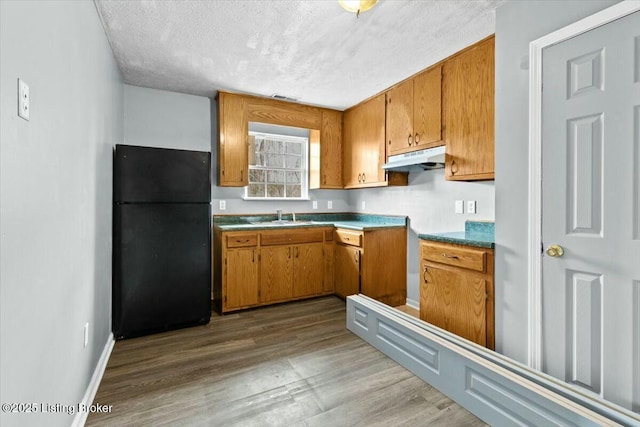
(499, 391)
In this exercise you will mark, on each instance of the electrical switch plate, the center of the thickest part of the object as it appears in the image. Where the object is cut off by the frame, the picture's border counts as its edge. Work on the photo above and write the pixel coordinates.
(24, 100)
(223, 205)
(459, 206)
(364, 205)
(471, 206)
(86, 334)
(315, 204)
(330, 204)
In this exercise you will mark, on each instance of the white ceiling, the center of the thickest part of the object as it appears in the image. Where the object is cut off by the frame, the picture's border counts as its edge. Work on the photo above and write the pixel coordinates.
(312, 50)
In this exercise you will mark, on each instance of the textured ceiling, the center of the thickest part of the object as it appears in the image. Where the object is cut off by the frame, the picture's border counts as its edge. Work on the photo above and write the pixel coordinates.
(311, 50)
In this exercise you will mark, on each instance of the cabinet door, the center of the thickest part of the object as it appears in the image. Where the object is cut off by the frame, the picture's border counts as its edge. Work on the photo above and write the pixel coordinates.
(331, 149)
(400, 118)
(241, 278)
(454, 301)
(329, 267)
(308, 269)
(350, 154)
(427, 109)
(468, 95)
(232, 141)
(347, 270)
(370, 135)
(276, 269)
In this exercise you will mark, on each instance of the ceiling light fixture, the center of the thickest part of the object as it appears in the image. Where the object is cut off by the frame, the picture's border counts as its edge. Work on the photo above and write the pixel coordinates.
(357, 6)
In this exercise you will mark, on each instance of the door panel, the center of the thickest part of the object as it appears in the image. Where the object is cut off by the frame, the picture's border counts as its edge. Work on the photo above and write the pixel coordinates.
(347, 270)
(276, 268)
(308, 271)
(455, 302)
(241, 278)
(590, 181)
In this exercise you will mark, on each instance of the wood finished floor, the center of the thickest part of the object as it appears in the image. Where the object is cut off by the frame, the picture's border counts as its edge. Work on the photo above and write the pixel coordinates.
(287, 365)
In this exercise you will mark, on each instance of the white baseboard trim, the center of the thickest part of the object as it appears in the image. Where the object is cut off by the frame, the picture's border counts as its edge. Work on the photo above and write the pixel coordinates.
(413, 303)
(81, 416)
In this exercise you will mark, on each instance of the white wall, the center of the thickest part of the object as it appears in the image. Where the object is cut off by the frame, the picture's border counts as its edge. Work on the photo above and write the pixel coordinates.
(55, 202)
(517, 24)
(158, 118)
(428, 200)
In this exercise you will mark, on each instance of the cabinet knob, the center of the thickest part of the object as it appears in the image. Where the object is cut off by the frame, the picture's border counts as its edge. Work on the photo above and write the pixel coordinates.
(410, 140)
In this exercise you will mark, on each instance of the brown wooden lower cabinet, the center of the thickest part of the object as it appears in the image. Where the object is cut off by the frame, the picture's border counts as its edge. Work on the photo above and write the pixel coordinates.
(456, 290)
(347, 272)
(269, 266)
(381, 256)
(265, 267)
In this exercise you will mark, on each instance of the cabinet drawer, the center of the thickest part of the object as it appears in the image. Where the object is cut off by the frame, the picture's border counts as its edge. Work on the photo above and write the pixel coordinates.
(282, 237)
(473, 259)
(242, 240)
(347, 237)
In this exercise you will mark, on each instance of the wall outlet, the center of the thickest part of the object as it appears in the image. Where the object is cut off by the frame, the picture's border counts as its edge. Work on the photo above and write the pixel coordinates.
(459, 206)
(315, 204)
(364, 205)
(223, 205)
(471, 206)
(330, 204)
(24, 100)
(86, 334)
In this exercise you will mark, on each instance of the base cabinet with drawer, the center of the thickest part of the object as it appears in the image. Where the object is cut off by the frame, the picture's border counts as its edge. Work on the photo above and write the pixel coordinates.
(372, 262)
(456, 290)
(269, 266)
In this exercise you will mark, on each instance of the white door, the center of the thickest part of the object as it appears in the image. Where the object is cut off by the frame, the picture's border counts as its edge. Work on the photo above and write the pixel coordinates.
(591, 209)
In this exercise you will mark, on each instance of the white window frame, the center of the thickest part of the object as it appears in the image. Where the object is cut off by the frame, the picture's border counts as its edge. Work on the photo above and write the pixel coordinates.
(304, 166)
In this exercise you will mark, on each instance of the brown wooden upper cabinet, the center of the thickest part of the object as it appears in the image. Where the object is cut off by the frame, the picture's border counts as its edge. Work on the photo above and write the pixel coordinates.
(235, 111)
(468, 113)
(414, 113)
(325, 152)
(233, 127)
(364, 146)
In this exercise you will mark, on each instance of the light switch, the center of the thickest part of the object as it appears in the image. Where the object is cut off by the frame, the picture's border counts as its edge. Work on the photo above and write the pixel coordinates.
(315, 204)
(459, 206)
(471, 206)
(223, 205)
(330, 204)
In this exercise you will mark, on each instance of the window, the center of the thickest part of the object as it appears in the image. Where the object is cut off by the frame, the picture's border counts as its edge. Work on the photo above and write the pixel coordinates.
(277, 167)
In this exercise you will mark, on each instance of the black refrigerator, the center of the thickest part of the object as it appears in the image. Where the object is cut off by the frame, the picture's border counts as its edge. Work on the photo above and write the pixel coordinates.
(161, 240)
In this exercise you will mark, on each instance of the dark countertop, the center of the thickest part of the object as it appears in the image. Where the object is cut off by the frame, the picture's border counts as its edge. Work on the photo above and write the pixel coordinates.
(477, 233)
(350, 221)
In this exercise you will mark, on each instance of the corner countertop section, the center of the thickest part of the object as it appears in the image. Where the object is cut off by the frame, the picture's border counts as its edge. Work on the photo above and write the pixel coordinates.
(352, 221)
(476, 233)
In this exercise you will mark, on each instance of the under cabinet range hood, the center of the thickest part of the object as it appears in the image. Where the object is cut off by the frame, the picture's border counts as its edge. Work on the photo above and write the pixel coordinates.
(430, 158)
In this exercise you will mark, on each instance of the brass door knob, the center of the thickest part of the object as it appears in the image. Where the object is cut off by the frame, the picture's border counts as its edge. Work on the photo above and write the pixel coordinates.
(555, 251)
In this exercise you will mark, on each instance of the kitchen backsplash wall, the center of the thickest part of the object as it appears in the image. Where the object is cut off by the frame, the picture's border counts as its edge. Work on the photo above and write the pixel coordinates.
(429, 202)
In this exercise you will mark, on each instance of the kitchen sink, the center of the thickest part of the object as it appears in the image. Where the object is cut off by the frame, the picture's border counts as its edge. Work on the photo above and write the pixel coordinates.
(282, 222)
